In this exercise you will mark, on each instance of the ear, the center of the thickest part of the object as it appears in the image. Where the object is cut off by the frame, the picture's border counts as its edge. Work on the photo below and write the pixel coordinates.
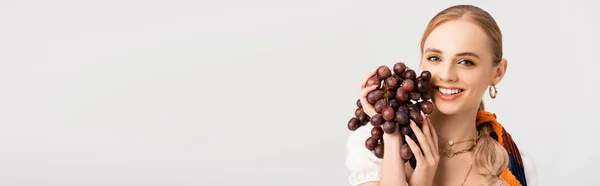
(499, 71)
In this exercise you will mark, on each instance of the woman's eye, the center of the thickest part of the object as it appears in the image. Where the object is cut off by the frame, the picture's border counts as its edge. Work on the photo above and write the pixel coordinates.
(433, 58)
(466, 62)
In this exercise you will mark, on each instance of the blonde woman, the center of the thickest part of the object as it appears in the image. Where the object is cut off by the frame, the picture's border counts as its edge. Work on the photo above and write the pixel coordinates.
(460, 142)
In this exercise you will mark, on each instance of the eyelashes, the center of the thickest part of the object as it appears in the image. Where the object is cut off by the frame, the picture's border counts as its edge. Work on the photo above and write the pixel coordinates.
(466, 62)
(433, 58)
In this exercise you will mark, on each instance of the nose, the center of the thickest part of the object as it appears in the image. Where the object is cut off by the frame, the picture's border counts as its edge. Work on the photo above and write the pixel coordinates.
(446, 73)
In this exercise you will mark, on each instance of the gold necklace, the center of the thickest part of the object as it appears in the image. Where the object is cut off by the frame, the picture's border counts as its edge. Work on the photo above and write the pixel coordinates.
(465, 180)
(451, 142)
(467, 176)
(451, 153)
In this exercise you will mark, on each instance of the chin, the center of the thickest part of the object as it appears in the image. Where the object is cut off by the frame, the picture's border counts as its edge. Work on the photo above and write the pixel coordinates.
(446, 108)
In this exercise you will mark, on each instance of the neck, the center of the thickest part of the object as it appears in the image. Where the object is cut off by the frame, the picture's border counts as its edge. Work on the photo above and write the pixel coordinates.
(454, 127)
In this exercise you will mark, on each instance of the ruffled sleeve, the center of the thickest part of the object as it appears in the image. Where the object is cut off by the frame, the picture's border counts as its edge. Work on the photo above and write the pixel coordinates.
(363, 165)
(530, 170)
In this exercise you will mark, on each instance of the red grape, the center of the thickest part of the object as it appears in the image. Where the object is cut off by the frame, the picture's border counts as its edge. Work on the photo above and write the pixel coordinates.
(363, 118)
(377, 132)
(409, 74)
(388, 113)
(394, 103)
(405, 152)
(427, 107)
(353, 124)
(403, 109)
(374, 96)
(414, 95)
(378, 151)
(426, 95)
(399, 68)
(391, 82)
(358, 103)
(377, 120)
(389, 127)
(422, 86)
(416, 116)
(383, 72)
(402, 116)
(371, 142)
(426, 75)
(406, 130)
(402, 96)
(408, 85)
(357, 112)
(390, 93)
(379, 105)
(414, 106)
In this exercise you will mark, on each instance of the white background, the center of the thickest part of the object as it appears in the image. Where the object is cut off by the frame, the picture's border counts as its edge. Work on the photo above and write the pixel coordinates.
(133, 92)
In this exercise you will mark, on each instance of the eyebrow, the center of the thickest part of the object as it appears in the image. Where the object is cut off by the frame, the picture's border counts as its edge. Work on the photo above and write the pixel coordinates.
(468, 54)
(433, 50)
(459, 54)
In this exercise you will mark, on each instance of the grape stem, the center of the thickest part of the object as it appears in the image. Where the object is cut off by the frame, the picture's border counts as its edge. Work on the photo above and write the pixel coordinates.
(385, 96)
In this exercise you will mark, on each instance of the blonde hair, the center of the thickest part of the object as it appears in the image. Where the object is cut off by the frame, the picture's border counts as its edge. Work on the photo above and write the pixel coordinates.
(490, 156)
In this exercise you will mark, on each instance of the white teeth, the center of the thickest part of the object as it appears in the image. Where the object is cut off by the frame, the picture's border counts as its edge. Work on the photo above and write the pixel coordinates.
(449, 91)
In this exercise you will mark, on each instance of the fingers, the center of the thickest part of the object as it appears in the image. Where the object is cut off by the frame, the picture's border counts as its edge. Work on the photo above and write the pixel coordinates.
(427, 132)
(366, 90)
(434, 135)
(367, 107)
(425, 145)
(415, 150)
(363, 82)
(363, 91)
(408, 171)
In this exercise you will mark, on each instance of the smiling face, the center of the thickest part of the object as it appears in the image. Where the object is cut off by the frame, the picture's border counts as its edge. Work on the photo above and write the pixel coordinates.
(459, 56)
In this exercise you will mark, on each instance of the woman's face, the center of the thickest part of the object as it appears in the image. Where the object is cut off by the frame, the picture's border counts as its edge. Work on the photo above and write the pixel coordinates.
(458, 54)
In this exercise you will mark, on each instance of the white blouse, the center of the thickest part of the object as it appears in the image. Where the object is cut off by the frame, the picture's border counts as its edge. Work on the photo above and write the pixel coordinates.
(364, 166)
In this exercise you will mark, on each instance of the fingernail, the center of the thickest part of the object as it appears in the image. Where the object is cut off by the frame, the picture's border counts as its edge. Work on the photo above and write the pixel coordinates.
(406, 137)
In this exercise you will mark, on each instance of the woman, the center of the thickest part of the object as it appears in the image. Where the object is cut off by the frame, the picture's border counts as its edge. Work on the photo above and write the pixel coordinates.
(460, 143)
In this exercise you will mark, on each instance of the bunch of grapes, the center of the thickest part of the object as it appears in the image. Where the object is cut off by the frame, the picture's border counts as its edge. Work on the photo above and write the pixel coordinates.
(400, 97)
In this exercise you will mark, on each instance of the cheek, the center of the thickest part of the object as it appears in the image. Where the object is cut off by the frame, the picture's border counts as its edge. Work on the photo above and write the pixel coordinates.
(425, 66)
(433, 69)
(477, 82)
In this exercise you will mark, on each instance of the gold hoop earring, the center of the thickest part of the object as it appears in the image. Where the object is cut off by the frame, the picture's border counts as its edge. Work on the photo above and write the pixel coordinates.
(493, 96)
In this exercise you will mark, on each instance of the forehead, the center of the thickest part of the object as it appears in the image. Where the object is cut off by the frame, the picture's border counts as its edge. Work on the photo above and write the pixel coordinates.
(458, 36)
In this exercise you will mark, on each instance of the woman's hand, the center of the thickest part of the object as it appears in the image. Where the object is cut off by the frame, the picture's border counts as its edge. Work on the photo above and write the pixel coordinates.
(427, 157)
(363, 90)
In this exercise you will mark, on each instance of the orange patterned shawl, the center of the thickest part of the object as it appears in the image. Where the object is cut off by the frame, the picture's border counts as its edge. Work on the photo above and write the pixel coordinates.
(515, 174)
